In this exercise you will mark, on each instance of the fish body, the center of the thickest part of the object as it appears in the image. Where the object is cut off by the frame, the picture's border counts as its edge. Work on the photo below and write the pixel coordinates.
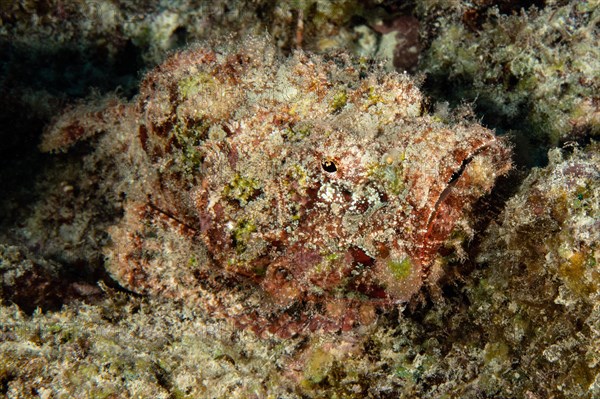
(320, 180)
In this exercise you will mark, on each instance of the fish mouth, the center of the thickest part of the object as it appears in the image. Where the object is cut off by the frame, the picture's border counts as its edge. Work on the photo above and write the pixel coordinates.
(464, 186)
(453, 181)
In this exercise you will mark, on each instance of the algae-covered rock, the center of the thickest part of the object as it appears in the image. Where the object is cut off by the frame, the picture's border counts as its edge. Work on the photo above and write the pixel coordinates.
(540, 292)
(535, 71)
(126, 348)
(29, 283)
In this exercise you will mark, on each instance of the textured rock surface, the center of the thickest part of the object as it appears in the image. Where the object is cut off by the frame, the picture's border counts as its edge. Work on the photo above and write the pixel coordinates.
(534, 71)
(540, 293)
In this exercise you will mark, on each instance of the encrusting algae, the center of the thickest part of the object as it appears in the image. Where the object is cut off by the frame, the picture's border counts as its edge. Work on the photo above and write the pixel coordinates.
(321, 180)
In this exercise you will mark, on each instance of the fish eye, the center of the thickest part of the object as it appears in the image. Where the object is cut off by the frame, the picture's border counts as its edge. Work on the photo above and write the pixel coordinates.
(329, 166)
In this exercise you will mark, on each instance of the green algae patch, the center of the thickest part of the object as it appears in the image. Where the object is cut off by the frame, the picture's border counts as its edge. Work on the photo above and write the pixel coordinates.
(496, 352)
(193, 85)
(328, 262)
(297, 133)
(400, 269)
(299, 175)
(339, 101)
(241, 189)
(193, 262)
(390, 173)
(374, 97)
(393, 179)
(188, 158)
(574, 273)
(317, 367)
(241, 234)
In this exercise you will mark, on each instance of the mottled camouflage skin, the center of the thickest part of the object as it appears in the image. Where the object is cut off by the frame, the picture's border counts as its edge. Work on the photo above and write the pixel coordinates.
(321, 180)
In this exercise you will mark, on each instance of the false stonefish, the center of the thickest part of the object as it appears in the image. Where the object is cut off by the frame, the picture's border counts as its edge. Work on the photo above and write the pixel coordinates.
(314, 189)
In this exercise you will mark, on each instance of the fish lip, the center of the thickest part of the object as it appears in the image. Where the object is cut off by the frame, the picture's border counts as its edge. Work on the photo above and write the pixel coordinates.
(455, 177)
(494, 150)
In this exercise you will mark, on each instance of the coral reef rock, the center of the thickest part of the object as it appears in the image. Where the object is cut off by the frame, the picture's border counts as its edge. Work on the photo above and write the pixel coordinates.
(534, 71)
(538, 300)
